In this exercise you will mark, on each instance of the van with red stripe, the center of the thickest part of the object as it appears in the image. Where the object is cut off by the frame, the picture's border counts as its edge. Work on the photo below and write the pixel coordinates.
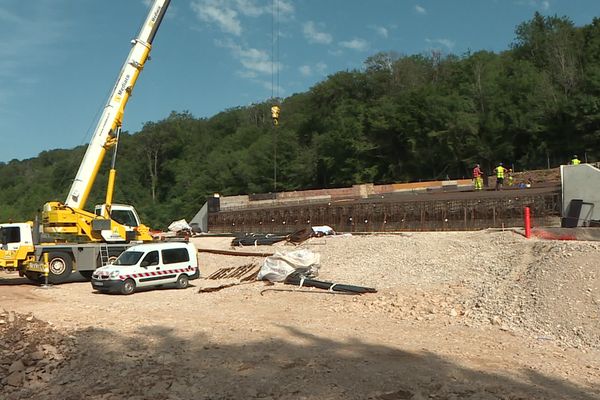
(147, 265)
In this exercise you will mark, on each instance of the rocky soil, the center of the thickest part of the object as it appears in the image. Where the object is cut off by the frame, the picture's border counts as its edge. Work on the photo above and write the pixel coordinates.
(478, 315)
(30, 350)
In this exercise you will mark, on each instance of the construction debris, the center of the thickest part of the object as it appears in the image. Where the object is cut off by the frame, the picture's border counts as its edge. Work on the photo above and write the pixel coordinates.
(235, 253)
(282, 264)
(221, 287)
(180, 225)
(257, 239)
(323, 230)
(177, 229)
(301, 236)
(298, 267)
(242, 272)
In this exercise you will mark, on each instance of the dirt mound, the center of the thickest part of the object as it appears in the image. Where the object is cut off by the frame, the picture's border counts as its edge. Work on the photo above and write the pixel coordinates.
(538, 176)
(30, 351)
(548, 290)
(559, 293)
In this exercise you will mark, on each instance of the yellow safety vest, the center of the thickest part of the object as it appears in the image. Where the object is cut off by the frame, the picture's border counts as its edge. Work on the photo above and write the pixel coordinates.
(575, 161)
(500, 171)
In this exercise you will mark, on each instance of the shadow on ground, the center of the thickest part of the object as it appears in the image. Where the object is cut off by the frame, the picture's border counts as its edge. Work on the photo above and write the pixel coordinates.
(13, 279)
(154, 363)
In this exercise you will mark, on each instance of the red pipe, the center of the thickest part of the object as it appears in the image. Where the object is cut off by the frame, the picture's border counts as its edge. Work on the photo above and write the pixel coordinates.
(527, 223)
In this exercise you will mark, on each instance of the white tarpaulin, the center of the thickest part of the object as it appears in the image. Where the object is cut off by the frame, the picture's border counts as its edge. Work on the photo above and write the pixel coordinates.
(281, 264)
(180, 225)
(323, 229)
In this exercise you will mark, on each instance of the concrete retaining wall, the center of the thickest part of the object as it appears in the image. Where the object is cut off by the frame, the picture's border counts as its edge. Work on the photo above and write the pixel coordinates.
(362, 191)
(581, 182)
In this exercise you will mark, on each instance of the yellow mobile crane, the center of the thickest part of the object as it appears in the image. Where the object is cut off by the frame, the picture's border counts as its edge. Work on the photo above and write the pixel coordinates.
(79, 240)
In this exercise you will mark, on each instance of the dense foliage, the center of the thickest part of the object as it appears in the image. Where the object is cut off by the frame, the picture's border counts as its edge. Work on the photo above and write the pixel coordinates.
(401, 118)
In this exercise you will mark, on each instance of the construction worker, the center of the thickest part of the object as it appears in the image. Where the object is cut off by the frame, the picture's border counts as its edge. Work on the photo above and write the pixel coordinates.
(575, 160)
(509, 176)
(477, 179)
(275, 114)
(499, 171)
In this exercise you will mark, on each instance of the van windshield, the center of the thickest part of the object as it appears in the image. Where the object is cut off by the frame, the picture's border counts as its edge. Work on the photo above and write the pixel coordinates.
(129, 258)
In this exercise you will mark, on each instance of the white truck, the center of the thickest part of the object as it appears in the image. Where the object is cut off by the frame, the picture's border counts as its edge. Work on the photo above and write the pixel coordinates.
(70, 238)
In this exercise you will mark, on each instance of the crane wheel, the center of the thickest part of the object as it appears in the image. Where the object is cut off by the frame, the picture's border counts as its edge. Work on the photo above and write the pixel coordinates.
(61, 266)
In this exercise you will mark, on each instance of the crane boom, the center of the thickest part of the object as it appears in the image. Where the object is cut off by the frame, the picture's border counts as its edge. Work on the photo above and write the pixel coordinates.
(76, 239)
(106, 133)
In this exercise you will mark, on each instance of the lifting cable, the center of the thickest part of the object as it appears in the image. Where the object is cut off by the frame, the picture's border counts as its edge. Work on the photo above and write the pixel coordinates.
(275, 108)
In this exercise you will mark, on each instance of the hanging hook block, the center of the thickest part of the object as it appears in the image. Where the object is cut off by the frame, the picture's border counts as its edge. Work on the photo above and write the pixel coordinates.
(275, 114)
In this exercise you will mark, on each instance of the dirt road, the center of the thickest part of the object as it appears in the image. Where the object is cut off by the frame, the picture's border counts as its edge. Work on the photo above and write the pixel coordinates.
(484, 315)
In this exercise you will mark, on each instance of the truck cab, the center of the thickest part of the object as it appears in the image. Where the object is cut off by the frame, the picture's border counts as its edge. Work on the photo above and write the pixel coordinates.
(15, 235)
(17, 243)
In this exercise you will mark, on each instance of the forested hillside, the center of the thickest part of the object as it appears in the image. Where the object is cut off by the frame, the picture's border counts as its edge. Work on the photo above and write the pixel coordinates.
(400, 118)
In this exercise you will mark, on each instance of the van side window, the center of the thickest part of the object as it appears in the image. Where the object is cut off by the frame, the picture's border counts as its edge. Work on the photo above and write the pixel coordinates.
(172, 256)
(151, 258)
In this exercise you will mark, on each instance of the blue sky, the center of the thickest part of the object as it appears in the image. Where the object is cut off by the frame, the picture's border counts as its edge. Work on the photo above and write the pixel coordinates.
(59, 58)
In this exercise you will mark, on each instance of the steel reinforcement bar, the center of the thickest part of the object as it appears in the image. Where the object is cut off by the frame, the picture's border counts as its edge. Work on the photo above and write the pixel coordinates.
(446, 211)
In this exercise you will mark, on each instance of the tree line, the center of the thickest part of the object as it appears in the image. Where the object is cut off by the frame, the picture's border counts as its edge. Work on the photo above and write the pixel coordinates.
(400, 118)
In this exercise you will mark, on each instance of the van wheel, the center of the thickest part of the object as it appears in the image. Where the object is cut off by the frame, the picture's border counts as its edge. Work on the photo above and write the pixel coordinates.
(182, 281)
(128, 287)
(61, 266)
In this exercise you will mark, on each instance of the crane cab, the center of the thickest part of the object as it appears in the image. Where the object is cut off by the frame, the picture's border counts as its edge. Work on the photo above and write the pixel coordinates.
(121, 213)
(127, 217)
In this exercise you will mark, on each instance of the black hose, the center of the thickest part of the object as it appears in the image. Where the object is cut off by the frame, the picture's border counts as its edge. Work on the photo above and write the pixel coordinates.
(295, 279)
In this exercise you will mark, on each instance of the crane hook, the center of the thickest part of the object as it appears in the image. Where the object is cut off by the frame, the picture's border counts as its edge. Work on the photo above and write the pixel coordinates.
(275, 109)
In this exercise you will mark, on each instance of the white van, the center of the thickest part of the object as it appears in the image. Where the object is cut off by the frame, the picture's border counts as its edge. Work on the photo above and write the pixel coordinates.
(149, 265)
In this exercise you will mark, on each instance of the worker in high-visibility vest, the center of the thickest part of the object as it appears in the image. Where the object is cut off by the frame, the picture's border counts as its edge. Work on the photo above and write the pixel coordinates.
(575, 160)
(499, 170)
(477, 179)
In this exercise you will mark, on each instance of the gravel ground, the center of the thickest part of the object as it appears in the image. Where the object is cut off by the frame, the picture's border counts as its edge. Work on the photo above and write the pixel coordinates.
(548, 289)
(477, 315)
